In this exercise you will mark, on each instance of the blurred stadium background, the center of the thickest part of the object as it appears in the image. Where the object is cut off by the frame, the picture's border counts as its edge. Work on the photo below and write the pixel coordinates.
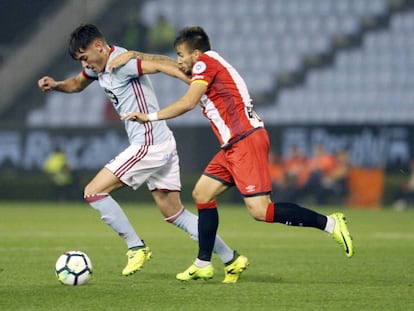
(331, 72)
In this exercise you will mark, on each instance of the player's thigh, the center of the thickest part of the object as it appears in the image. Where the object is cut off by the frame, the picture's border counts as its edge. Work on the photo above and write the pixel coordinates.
(138, 164)
(249, 164)
(103, 182)
(169, 202)
(207, 189)
(166, 176)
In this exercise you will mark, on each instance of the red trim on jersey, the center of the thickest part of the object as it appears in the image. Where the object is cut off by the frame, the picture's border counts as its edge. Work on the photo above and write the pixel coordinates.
(139, 67)
(209, 205)
(131, 161)
(270, 213)
(143, 107)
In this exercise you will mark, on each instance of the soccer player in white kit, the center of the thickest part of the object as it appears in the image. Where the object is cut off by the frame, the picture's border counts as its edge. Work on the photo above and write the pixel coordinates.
(151, 157)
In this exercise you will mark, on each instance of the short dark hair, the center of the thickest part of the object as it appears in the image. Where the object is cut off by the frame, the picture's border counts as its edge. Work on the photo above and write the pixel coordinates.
(195, 37)
(81, 37)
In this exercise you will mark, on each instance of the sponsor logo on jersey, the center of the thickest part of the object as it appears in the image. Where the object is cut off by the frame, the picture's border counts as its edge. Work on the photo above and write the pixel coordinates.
(197, 77)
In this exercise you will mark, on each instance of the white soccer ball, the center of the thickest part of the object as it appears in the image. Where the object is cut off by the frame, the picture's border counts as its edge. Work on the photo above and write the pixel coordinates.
(73, 268)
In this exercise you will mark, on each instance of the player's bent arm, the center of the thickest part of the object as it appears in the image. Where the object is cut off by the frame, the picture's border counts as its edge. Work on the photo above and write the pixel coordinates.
(166, 67)
(184, 104)
(125, 57)
(121, 60)
(155, 57)
(151, 63)
(73, 84)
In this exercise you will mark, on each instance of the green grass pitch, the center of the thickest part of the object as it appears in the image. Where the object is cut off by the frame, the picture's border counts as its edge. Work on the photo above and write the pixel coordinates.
(290, 268)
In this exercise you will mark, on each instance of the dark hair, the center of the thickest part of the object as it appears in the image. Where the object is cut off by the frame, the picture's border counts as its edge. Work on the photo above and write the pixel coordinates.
(81, 37)
(194, 37)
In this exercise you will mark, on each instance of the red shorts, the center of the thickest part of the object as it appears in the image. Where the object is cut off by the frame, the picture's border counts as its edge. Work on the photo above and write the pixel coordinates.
(245, 164)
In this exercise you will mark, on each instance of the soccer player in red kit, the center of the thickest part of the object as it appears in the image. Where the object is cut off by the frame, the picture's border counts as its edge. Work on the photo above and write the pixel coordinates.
(243, 158)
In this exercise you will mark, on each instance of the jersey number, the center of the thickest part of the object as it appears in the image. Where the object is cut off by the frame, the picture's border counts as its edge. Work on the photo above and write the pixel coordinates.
(251, 113)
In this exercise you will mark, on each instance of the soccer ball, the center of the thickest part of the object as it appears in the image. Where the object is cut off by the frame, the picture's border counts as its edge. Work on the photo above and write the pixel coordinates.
(73, 268)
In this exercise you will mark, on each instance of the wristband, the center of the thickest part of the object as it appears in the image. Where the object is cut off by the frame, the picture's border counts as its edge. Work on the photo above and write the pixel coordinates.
(153, 116)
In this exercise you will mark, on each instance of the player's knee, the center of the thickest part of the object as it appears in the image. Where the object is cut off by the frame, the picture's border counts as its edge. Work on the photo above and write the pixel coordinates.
(87, 191)
(257, 212)
(95, 197)
(201, 197)
(257, 216)
(91, 195)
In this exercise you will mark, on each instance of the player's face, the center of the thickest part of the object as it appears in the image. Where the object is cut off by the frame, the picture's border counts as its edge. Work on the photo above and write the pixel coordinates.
(186, 58)
(93, 57)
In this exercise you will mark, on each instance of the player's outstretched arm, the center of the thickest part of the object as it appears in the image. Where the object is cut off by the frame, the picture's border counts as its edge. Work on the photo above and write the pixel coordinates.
(148, 56)
(186, 103)
(125, 57)
(70, 85)
(166, 67)
(151, 63)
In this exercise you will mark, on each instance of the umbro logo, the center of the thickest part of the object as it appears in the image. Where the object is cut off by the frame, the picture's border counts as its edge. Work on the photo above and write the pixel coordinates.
(250, 188)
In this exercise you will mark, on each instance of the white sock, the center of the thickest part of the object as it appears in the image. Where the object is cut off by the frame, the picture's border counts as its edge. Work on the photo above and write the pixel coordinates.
(201, 263)
(114, 216)
(189, 223)
(330, 224)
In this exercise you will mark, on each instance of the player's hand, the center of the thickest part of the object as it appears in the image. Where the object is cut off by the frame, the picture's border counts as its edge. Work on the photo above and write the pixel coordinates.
(46, 83)
(135, 116)
(121, 60)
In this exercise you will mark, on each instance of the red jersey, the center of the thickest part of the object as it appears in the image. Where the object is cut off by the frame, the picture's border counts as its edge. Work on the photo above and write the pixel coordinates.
(226, 103)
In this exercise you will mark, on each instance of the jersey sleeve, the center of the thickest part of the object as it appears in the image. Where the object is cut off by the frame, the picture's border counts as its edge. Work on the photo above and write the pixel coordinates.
(132, 69)
(203, 71)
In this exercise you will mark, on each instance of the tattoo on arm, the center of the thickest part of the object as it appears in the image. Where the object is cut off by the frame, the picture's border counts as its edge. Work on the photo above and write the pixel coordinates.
(154, 57)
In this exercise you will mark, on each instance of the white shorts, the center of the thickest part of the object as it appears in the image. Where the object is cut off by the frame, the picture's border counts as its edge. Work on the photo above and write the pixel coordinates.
(157, 165)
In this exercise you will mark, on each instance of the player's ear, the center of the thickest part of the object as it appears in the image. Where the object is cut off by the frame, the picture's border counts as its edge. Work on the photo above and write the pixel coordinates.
(197, 53)
(99, 45)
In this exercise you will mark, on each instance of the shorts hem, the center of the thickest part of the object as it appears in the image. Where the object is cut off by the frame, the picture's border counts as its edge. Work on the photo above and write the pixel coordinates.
(165, 190)
(249, 195)
(224, 182)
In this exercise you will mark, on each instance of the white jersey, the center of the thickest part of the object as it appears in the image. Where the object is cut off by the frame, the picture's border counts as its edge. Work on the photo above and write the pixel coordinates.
(129, 90)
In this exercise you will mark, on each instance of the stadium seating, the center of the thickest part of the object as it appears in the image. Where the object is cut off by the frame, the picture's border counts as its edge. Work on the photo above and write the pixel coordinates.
(270, 36)
(266, 38)
(365, 84)
(273, 36)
